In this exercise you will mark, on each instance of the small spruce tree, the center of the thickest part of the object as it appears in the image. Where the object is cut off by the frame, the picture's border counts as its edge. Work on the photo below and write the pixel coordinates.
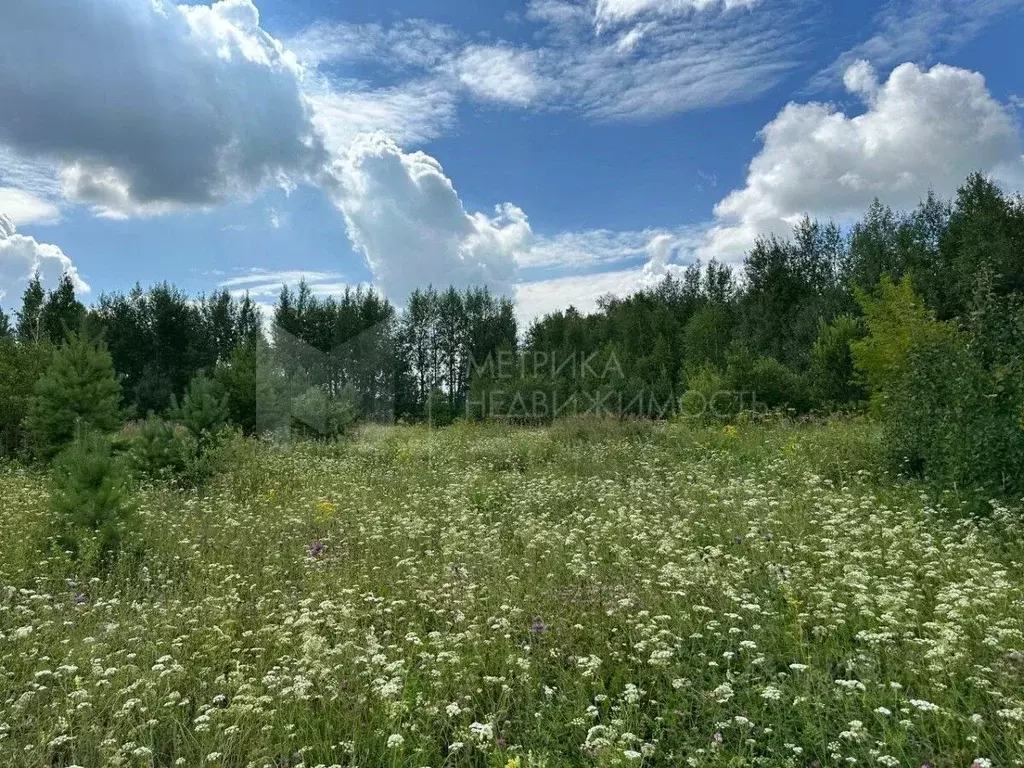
(90, 500)
(203, 410)
(79, 391)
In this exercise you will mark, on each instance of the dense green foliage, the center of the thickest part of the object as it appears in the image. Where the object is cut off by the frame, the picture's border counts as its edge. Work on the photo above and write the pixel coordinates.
(901, 303)
(203, 410)
(79, 391)
(21, 366)
(90, 501)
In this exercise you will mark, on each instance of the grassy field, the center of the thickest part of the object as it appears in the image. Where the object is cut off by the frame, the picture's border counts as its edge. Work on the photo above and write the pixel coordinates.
(656, 596)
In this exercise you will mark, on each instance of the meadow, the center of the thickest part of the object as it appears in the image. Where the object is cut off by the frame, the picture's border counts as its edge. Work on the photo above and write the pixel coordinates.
(484, 596)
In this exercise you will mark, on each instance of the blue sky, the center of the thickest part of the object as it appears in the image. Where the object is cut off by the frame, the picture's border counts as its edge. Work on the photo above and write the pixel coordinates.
(553, 149)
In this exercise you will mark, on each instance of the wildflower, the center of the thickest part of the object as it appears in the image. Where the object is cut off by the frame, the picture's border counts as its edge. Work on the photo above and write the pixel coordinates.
(716, 737)
(395, 740)
(771, 693)
(483, 731)
(316, 548)
(538, 627)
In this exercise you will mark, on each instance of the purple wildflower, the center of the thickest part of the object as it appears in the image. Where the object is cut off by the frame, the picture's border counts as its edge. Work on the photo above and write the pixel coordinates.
(316, 548)
(539, 626)
(80, 598)
(717, 737)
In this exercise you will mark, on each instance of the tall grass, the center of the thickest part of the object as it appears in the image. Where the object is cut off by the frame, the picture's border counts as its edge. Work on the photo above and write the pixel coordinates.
(486, 596)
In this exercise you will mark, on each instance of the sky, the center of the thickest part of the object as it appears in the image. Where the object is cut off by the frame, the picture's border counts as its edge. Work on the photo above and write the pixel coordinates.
(553, 150)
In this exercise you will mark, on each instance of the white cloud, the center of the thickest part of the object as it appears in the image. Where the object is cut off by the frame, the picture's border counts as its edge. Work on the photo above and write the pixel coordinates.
(654, 68)
(408, 43)
(921, 130)
(542, 297)
(675, 61)
(537, 298)
(261, 283)
(918, 30)
(602, 247)
(617, 11)
(500, 74)
(667, 253)
(411, 113)
(22, 207)
(150, 105)
(405, 217)
(22, 256)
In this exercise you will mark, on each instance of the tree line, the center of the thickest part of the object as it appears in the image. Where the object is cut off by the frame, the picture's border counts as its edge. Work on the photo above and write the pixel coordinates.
(914, 315)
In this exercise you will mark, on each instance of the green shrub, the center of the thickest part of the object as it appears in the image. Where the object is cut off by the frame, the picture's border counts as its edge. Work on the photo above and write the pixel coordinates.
(203, 410)
(708, 395)
(897, 320)
(595, 428)
(831, 376)
(765, 383)
(79, 391)
(439, 410)
(159, 450)
(21, 366)
(253, 390)
(957, 414)
(90, 500)
(318, 415)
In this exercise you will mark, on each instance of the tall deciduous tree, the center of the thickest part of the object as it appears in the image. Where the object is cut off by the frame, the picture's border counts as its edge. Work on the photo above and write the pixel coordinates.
(30, 314)
(62, 313)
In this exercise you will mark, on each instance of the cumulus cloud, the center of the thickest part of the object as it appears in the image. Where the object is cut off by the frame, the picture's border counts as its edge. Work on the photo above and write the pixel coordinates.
(151, 105)
(22, 256)
(404, 215)
(920, 130)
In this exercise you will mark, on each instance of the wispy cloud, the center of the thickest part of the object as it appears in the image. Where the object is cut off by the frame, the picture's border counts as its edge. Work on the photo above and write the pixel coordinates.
(622, 60)
(617, 11)
(262, 283)
(598, 248)
(411, 113)
(502, 74)
(917, 31)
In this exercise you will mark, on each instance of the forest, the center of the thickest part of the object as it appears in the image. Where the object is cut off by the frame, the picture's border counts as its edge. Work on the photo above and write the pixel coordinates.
(915, 317)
